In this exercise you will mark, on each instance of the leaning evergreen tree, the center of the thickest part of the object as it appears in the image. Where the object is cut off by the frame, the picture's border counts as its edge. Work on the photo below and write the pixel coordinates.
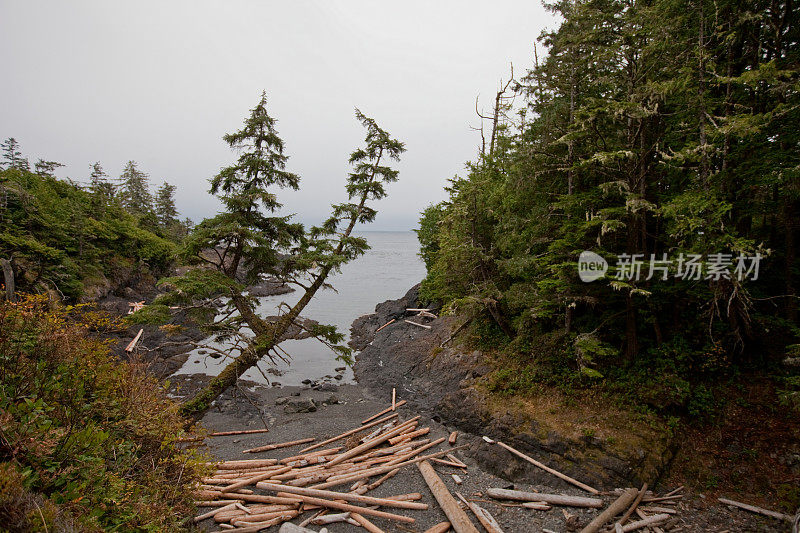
(249, 241)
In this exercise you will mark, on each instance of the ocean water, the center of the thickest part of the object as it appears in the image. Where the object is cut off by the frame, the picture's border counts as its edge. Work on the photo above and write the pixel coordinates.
(386, 271)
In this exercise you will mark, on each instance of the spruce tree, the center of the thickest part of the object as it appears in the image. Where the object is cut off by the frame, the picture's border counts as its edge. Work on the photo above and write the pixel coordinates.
(250, 240)
(12, 156)
(135, 194)
(165, 209)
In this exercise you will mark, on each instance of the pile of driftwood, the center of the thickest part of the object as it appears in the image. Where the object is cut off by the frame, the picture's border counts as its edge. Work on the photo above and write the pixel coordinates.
(330, 479)
(327, 482)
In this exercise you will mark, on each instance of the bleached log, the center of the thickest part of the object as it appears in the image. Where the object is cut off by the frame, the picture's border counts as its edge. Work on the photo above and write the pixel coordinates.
(212, 512)
(246, 463)
(645, 522)
(483, 516)
(242, 432)
(392, 321)
(269, 447)
(457, 517)
(456, 460)
(330, 519)
(539, 506)
(441, 527)
(548, 469)
(131, 345)
(352, 508)
(253, 480)
(214, 503)
(758, 510)
(346, 496)
(366, 524)
(340, 480)
(388, 409)
(616, 507)
(376, 484)
(351, 432)
(409, 436)
(288, 527)
(374, 442)
(417, 324)
(553, 499)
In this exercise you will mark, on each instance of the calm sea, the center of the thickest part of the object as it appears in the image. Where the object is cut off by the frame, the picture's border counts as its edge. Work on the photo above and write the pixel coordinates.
(387, 271)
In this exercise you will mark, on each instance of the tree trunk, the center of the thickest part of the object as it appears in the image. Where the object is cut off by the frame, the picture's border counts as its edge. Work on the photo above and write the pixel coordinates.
(267, 337)
(8, 279)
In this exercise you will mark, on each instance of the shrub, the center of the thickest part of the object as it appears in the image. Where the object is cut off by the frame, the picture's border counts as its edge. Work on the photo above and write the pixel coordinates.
(85, 437)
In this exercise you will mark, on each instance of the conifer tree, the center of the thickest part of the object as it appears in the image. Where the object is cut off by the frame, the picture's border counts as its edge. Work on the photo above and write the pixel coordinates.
(12, 156)
(249, 240)
(165, 209)
(135, 194)
(99, 184)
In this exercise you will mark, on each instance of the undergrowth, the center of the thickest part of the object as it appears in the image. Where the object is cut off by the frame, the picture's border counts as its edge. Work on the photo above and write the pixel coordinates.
(87, 442)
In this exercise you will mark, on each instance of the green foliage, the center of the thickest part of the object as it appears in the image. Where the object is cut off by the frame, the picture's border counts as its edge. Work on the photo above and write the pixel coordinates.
(59, 240)
(86, 438)
(651, 128)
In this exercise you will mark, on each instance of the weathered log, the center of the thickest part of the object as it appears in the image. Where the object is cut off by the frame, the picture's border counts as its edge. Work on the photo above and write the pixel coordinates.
(539, 506)
(255, 479)
(366, 524)
(352, 508)
(553, 499)
(374, 442)
(456, 460)
(288, 527)
(453, 437)
(441, 527)
(409, 436)
(758, 510)
(548, 469)
(238, 432)
(388, 409)
(350, 432)
(634, 505)
(269, 447)
(616, 507)
(131, 345)
(483, 516)
(376, 484)
(392, 321)
(417, 324)
(200, 518)
(346, 496)
(457, 517)
(645, 522)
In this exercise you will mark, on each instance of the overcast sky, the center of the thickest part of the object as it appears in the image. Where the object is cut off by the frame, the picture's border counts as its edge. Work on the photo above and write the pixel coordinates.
(161, 82)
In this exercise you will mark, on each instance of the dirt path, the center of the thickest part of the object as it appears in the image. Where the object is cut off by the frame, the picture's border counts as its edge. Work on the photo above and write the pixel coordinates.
(338, 409)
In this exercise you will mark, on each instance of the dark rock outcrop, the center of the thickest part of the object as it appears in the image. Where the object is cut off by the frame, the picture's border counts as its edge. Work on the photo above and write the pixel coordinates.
(445, 383)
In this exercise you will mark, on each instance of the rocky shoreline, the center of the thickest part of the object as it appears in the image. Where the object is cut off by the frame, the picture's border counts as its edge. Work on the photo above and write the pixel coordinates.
(444, 379)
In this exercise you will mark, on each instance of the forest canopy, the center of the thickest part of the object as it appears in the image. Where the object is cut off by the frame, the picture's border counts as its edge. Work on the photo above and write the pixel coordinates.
(660, 130)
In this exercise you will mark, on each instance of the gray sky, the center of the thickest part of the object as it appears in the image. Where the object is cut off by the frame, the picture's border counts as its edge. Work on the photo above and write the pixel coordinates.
(161, 82)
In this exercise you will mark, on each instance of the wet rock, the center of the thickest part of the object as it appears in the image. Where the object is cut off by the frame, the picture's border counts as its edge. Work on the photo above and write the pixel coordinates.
(306, 382)
(340, 369)
(328, 387)
(303, 405)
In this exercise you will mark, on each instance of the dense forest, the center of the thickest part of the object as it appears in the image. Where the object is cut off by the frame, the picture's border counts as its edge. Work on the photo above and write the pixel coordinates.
(81, 241)
(663, 137)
